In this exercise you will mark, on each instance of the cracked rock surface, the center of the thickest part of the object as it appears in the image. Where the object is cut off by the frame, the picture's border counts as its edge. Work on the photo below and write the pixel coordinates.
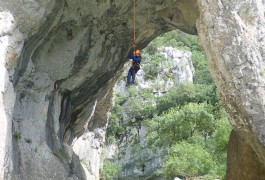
(60, 59)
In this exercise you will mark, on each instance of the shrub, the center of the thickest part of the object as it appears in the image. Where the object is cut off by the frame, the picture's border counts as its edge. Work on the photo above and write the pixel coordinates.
(152, 69)
(17, 135)
(222, 134)
(221, 138)
(115, 128)
(187, 160)
(110, 170)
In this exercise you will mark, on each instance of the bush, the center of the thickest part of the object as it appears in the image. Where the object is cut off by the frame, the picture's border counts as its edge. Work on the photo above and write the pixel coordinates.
(115, 128)
(134, 108)
(202, 73)
(110, 170)
(187, 160)
(222, 134)
(17, 135)
(221, 138)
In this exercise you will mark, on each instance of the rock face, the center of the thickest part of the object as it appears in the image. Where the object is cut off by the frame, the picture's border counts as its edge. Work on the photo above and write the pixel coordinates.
(89, 149)
(232, 34)
(135, 159)
(248, 167)
(182, 64)
(60, 60)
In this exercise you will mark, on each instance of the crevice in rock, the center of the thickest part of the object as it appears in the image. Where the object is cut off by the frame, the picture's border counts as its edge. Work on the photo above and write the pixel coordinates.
(51, 139)
(66, 113)
(16, 158)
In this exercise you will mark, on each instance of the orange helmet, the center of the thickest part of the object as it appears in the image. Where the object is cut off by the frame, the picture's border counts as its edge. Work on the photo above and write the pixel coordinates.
(137, 51)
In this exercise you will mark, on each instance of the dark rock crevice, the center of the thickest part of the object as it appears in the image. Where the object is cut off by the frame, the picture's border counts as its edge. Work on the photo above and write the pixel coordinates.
(51, 135)
(66, 113)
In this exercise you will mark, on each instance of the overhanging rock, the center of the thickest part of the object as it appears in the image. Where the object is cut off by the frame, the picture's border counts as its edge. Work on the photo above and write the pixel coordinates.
(60, 60)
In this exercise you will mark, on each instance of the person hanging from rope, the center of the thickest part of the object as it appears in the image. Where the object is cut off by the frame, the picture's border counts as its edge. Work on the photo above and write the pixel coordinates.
(136, 60)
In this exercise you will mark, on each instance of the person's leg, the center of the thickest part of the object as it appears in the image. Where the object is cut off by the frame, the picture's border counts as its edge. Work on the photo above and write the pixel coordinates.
(129, 76)
(133, 75)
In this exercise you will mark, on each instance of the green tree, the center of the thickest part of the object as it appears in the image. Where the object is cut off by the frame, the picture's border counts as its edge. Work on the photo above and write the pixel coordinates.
(179, 124)
(186, 93)
(221, 138)
(202, 74)
(187, 160)
(115, 128)
(177, 96)
(177, 119)
(222, 134)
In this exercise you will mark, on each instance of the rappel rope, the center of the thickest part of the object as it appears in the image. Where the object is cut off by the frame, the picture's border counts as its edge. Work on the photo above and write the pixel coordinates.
(133, 25)
(133, 29)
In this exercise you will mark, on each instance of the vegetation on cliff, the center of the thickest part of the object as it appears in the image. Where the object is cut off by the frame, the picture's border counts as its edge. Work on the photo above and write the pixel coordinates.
(187, 123)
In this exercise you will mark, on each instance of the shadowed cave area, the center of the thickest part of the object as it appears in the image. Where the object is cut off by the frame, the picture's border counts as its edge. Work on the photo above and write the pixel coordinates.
(61, 59)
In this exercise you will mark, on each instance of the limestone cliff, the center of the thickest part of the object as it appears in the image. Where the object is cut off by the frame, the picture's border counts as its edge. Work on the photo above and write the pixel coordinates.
(60, 60)
(232, 34)
(134, 157)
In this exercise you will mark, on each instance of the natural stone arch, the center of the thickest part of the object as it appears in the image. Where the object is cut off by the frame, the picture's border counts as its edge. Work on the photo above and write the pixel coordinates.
(63, 57)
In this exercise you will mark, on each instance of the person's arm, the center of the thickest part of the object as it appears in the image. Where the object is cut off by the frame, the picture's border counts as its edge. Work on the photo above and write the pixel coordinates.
(131, 56)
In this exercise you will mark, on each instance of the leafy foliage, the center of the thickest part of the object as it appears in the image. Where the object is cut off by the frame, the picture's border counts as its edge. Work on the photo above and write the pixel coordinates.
(186, 93)
(221, 137)
(188, 121)
(179, 124)
(152, 69)
(110, 170)
(187, 160)
(177, 39)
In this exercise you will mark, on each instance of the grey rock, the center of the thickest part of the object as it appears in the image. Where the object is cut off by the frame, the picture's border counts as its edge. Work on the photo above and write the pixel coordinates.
(57, 58)
(231, 33)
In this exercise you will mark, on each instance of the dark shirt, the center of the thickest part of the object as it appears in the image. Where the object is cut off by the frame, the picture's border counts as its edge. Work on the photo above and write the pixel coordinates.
(135, 58)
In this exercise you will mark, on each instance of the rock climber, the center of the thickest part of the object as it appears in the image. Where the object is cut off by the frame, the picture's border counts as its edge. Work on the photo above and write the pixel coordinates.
(136, 60)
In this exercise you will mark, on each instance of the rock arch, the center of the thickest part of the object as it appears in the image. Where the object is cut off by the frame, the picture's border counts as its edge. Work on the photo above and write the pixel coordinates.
(60, 60)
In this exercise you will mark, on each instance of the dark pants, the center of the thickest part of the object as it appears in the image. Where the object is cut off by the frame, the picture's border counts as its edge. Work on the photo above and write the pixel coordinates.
(132, 72)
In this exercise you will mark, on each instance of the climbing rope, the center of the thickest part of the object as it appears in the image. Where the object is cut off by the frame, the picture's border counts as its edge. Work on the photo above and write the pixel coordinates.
(133, 25)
